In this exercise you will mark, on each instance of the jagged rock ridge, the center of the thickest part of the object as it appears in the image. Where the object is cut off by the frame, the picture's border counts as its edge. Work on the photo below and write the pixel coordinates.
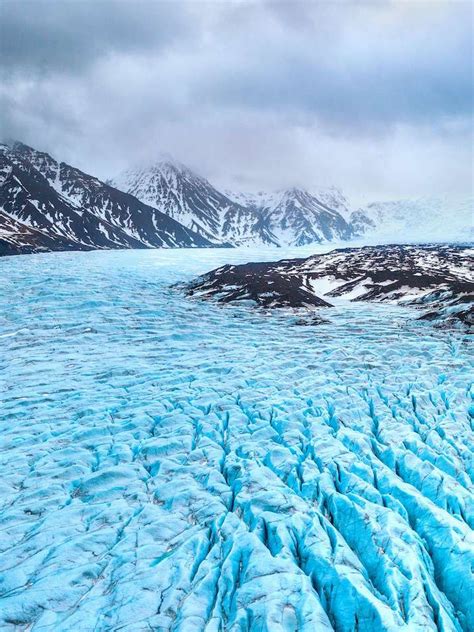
(297, 217)
(48, 205)
(292, 217)
(192, 200)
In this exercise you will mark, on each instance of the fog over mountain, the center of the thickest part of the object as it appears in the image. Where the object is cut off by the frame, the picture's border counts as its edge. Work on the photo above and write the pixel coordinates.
(50, 205)
(250, 95)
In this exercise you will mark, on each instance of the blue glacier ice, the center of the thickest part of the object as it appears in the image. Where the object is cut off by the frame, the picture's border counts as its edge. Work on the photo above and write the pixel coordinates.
(171, 464)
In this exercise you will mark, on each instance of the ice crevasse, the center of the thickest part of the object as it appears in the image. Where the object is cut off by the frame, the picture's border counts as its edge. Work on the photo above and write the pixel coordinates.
(173, 465)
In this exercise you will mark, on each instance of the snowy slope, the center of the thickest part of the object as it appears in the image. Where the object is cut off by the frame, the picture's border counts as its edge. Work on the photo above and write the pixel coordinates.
(28, 198)
(141, 222)
(190, 199)
(168, 205)
(425, 219)
(18, 238)
(333, 198)
(180, 467)
(297, 217)
(67, 205)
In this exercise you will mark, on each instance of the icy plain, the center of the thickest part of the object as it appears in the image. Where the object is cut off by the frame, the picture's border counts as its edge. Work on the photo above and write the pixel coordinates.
(170, 464)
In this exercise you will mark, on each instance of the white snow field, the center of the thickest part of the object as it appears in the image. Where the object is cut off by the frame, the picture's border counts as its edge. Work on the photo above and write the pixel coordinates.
(171, 464)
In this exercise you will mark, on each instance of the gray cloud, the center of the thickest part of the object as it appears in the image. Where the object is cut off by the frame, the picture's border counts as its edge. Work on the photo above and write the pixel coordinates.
(376, 98)
(68, 35)
(375, 65)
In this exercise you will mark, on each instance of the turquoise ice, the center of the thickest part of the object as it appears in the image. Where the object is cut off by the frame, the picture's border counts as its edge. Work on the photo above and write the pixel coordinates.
(170, 464)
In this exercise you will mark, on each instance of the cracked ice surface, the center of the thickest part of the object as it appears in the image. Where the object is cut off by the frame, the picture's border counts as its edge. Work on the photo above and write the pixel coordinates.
(168, 464)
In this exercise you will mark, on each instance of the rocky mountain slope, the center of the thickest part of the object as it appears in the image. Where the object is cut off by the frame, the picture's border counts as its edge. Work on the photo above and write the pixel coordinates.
(438, 279)
(18, 238)
(292, 217)
(190, 199)
(297, 217)
(48, 205)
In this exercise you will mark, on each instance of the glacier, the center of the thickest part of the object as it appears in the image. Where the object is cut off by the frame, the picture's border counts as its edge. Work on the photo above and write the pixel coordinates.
(171, 464)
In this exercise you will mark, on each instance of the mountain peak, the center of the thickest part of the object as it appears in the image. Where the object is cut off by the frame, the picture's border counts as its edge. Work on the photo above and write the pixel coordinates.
(176, 190)
(23, 149)
(148, 178)
(171, 166)
(19, 145)
(69, 209)
(295, 193)
(163, 163)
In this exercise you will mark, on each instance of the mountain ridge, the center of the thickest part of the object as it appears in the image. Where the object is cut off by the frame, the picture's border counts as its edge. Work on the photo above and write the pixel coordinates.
(298, 217)
(290, 217)
(80, 211)
(192, 200)
(47, 205)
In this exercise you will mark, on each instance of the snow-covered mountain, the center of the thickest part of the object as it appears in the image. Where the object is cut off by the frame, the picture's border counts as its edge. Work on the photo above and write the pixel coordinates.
(19, 238)
(48, 205)
(190, 199)
(420, 219)
(288, 217)
(297, 217)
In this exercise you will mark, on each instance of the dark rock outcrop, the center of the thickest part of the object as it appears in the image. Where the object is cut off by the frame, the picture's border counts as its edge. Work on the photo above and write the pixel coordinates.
(437, 278)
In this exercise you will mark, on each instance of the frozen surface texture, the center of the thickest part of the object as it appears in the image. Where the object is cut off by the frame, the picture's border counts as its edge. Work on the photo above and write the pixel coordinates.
(169, 464)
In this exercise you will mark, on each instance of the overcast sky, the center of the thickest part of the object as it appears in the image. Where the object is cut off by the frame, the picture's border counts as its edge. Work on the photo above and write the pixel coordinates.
(375, 97)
